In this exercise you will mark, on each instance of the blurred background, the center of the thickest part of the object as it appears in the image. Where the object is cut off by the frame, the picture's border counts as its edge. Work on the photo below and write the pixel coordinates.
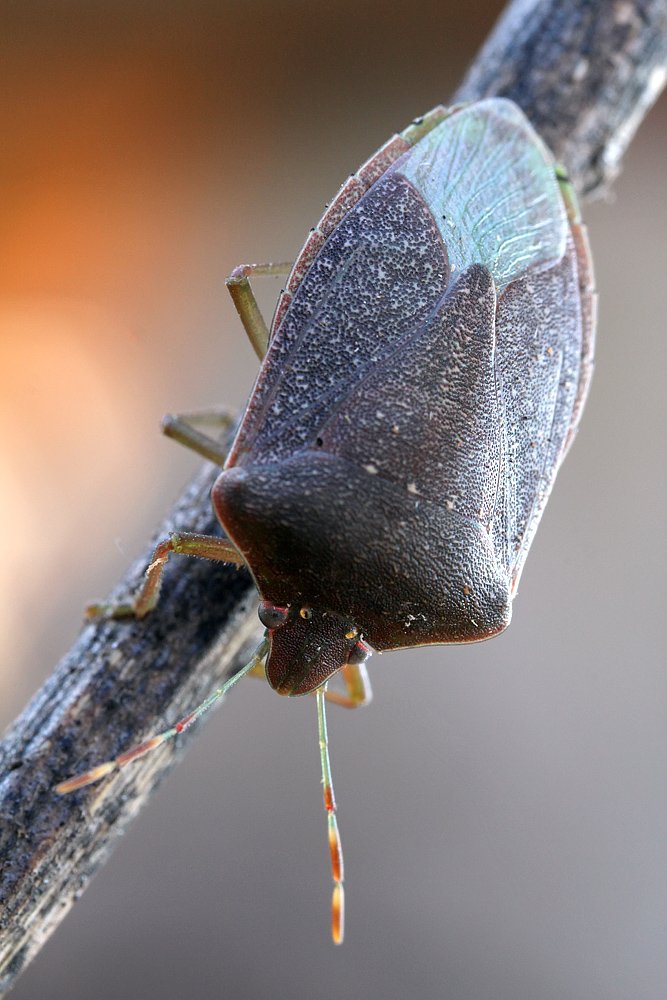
(502, 807)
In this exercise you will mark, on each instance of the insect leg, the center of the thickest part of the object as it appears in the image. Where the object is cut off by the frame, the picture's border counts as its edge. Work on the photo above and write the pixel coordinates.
(335, 850)
(243, 297)
(153, 742)
(180, 427)
(357, 686)
(185, 543)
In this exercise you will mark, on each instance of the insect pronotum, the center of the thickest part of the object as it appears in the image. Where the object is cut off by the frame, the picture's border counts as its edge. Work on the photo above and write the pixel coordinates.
(421, 383)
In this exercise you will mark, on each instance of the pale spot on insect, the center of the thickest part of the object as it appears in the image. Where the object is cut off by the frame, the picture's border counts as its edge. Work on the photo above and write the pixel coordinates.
(409, 619)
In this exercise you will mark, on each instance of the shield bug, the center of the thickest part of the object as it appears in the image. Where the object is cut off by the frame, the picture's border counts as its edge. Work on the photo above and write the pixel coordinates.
(421, 383)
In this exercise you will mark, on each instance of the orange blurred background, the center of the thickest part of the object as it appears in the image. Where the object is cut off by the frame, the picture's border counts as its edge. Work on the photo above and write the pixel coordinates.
(146, 149)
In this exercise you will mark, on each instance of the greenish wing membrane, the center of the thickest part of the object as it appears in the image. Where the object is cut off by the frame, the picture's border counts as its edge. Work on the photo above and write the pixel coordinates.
(489, 182)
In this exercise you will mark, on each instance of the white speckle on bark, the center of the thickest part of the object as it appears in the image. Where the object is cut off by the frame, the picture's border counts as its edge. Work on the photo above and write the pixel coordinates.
(580, 70)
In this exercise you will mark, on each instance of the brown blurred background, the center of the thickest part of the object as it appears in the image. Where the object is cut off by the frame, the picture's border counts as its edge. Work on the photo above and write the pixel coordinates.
(502, 807)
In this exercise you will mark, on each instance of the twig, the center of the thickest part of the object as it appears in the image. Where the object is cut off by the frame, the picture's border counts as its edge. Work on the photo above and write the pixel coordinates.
(585, 71)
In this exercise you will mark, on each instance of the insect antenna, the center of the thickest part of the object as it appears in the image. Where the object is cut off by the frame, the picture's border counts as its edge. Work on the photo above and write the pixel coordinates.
(335, 849)
(101, 771)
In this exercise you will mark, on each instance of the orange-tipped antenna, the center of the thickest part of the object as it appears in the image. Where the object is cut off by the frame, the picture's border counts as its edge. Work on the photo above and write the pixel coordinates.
(335, 850)
(101, 771)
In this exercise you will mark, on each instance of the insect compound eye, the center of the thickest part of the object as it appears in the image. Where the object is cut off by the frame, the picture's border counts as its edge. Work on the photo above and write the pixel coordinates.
(359, 653)
(272, 615)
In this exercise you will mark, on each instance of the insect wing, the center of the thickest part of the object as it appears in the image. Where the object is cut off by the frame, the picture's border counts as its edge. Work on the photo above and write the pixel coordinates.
(490, 183)
(539, 366)
(479, 188)
(375, 280)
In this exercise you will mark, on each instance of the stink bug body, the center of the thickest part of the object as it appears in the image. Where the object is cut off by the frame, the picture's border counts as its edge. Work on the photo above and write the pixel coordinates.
(422, 381)
(422, 384)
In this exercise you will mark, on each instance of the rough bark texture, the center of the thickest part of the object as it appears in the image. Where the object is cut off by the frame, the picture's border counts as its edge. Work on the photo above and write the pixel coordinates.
(120, 682)
(585, 72)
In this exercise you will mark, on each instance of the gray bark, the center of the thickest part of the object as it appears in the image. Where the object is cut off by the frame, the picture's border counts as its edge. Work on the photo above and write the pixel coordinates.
(585, 72)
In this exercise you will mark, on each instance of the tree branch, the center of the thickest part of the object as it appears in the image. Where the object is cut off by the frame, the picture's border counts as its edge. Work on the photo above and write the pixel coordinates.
(585, 71)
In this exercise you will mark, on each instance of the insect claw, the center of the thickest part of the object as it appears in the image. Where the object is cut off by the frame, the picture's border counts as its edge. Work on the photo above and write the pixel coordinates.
(98, 612)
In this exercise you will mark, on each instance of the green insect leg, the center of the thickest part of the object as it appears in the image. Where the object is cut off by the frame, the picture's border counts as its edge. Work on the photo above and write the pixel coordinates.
(243, 297)
(357, 685)
(181, 427)
(358, 692)
(184, 543)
